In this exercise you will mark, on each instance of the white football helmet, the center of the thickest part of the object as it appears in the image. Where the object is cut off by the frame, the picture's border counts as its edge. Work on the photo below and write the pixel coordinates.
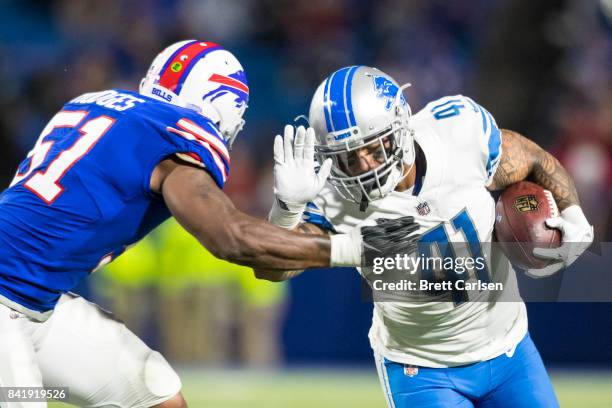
(204, 77)
(359, 110)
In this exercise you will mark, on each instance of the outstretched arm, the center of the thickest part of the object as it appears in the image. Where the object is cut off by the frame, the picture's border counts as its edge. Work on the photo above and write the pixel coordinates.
(523, 159)
(208, 214)
(279, 276)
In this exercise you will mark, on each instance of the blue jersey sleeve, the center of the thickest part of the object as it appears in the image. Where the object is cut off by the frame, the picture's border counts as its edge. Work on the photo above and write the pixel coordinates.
(198, 141)
(192, 138)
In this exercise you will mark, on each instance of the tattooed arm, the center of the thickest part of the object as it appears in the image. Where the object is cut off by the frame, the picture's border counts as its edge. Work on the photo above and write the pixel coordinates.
(279, 275)
(522, 159)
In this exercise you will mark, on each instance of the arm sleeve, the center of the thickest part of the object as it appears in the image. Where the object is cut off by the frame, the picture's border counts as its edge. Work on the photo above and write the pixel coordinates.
(489, 139)
(473, 131)
(197, 141)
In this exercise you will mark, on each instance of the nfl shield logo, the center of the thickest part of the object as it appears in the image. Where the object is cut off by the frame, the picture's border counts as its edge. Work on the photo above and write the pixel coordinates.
(411, 371)
(526, 203)
(423, 208)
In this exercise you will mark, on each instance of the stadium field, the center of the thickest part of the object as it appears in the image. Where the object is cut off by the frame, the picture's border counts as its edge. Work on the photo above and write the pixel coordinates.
(336, 388)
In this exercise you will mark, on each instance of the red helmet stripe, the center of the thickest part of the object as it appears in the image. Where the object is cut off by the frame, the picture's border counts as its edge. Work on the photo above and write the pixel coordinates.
(171, 75)
(229, 81)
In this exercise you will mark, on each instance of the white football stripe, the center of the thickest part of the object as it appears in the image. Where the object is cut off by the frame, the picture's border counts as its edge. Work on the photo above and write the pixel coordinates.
(191, 127)
(218, 161)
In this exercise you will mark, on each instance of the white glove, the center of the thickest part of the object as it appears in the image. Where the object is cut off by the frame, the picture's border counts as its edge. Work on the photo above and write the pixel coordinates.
(576, 237)
(295, 180)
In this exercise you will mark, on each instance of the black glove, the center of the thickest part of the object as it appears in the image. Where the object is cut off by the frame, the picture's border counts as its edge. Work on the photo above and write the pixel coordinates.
(388, 238)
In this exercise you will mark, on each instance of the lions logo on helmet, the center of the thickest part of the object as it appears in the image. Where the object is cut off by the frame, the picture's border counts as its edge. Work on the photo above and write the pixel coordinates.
(351, 122)
(201, 76)
(386, 90)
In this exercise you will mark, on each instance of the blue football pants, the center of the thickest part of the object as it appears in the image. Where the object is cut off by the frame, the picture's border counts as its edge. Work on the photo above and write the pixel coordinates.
(517, 381)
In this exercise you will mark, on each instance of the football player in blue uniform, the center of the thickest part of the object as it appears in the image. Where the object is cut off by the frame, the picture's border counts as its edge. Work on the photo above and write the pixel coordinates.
(107, 169)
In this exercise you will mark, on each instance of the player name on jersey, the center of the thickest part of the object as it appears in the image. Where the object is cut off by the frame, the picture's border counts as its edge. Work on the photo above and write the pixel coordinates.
(110, 99)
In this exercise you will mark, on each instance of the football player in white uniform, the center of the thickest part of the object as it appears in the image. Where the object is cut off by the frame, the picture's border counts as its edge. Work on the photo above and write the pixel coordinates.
(439, 166)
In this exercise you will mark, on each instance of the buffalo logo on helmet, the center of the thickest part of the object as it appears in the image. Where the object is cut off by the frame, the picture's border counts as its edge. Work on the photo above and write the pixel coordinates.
(526, 203)
(386, 90)
(233, 83)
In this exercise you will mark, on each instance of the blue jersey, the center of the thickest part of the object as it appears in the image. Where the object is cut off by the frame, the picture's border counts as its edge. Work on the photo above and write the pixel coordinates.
(83, 193)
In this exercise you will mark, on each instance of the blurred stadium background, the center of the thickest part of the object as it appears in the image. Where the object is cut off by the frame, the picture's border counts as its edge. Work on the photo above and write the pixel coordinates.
(543, 68)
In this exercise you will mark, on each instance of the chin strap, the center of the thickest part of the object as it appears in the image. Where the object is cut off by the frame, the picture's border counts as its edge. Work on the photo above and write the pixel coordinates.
(230, 130)
(365, 199)
(414, 154)
(363, 205)
(211, 112)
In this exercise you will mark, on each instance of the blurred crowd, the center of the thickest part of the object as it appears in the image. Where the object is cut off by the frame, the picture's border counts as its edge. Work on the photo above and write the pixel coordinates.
(542, 68)
(193, 306)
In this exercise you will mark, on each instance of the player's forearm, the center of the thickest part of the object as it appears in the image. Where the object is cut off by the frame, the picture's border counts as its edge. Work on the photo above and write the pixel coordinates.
(208, 214)
(550, 174)
(523, 159)
(263, 246)
(279, 276)
(276, 276)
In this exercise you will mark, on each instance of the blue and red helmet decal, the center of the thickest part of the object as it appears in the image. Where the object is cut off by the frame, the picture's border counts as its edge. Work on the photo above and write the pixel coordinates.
(182, 61)
(235, 83)
(177, 68)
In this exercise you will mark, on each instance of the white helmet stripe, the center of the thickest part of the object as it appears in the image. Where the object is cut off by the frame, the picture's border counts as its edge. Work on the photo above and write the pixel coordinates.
(327, 104)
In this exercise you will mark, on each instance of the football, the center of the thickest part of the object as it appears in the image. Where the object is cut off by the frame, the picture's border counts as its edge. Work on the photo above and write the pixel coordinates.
(520, 216)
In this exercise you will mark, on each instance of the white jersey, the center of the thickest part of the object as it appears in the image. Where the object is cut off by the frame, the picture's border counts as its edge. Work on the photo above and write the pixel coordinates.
(462, 146)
